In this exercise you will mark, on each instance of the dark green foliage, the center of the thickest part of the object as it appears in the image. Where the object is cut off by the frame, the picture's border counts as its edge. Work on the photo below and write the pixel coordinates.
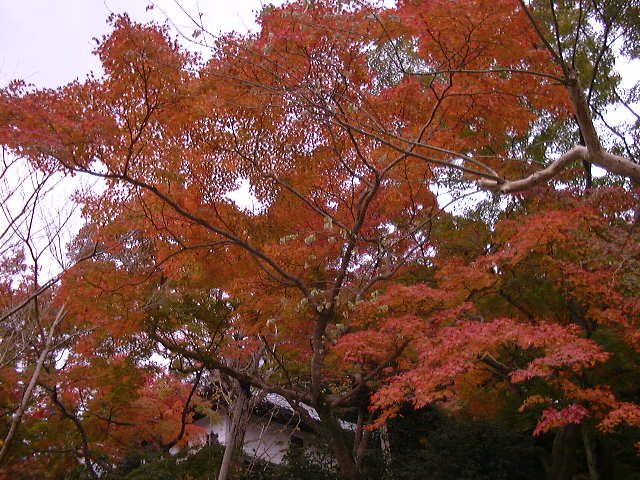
(301, 463)
(618, 452)
(202, 465)
(429, 445)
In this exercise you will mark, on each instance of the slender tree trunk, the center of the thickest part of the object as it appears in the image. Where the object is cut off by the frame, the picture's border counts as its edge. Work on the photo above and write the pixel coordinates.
(606, 463)
(361, 449)
(598, 454)
(636, 210)
(239, 415)
(591, 454)
(26, 396)
(385, 446)
(361, 441)
(563, 455)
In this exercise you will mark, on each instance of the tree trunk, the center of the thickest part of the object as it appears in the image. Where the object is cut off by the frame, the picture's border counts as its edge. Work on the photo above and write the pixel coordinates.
(330, 429)
(345, 460)
(563, 455)
(591, 454)
(598, 453)
(385, 446)
(236, 428)
(606, 468)
(361, 441)
(636, 210)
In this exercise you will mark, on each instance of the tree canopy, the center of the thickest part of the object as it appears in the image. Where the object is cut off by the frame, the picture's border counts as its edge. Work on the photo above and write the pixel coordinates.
(359, 276)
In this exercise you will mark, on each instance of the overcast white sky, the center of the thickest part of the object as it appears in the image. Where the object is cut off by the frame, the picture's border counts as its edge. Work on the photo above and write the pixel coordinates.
(49, 42)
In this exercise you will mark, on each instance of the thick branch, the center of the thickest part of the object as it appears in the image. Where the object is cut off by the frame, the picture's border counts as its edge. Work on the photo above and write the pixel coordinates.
(576, 153)
(612, 163)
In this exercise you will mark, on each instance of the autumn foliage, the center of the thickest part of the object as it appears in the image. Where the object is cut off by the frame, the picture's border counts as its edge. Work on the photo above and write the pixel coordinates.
(346, 273)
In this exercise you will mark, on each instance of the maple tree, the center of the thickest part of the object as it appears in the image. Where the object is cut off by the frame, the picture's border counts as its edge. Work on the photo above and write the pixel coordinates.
(357, 288)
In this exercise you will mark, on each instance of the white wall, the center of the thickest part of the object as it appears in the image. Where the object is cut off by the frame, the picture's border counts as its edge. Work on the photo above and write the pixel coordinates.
(264, 439)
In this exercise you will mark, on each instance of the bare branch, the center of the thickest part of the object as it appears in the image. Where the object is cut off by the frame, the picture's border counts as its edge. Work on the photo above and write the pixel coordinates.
(26, 396)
